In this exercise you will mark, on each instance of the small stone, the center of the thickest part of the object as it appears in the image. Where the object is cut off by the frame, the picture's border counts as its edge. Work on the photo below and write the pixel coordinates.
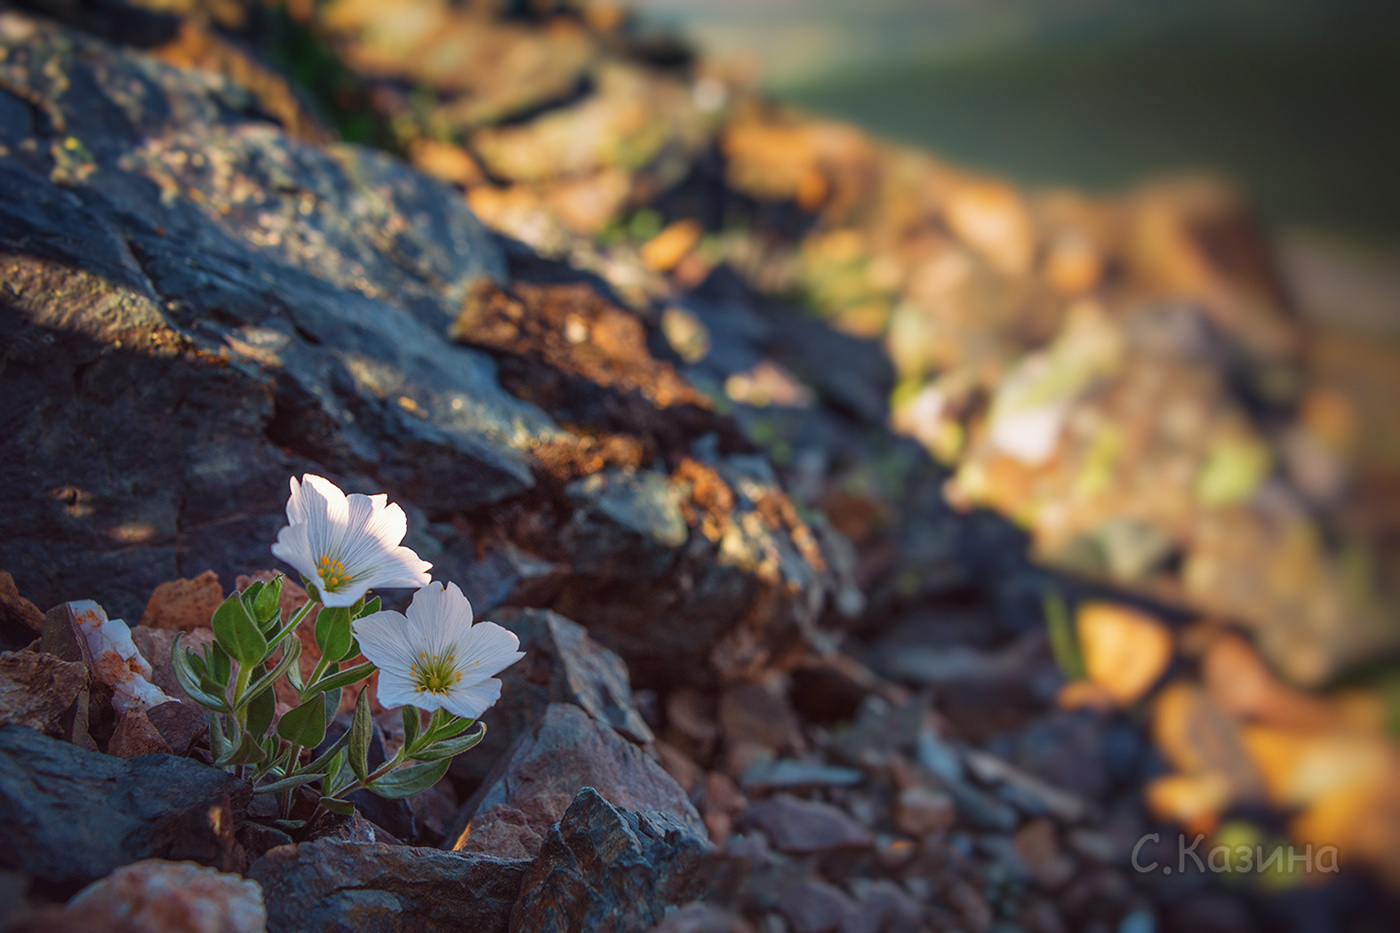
(921, 810)
(758, 714)
(664, 251)
(816, 907)
(970, 905)
(993, 219)
(156, 896)
(790, 774)
(180, 723)
(37, 690)
(803, 827)
(185, 604)
(1125, 651)
(81, 630)
(885, 907)
(1040, 852)
(135, 735)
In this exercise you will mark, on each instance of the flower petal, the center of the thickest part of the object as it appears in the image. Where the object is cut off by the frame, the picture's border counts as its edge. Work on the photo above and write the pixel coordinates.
(294, 546)
(486, 650)
(386, 639)
(471, 701)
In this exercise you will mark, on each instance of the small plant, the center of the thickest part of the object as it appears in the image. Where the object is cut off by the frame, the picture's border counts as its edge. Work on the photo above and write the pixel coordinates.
(432, 660)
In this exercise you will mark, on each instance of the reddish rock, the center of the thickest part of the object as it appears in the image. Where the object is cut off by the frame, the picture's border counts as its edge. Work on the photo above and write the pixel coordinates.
(37, 690)
(185, 604)
(156, 896)
(759, 714)
(135, 735)
(802, 827)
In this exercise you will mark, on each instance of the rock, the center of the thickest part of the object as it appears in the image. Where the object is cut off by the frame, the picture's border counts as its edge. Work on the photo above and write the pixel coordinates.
(993, 219)
(184, 604)
(701, 917)
(885, 906)
(760, 714)
(608, 869)
(1039, 850)
(1124, 651)
(336, 885)
(561, 665)
(20, 620)
(73, 816)
(921, 810)
(180, 723)
(279, 298)
(816, 907)
(789, 774)
(157, 896)
(81, 630)
(803, 827)
(135, 735)
(534, 784)
(39, 691)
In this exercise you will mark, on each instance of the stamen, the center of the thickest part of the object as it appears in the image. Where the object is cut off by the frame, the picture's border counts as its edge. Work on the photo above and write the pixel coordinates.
(332, 573)
(436, 674)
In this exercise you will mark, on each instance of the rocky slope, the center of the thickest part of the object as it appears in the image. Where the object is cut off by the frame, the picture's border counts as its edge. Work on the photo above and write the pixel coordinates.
(775, 445)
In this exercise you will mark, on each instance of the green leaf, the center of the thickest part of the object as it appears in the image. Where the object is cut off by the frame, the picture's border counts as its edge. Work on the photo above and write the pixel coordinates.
(220, 667)
(183, 663)
(218, 742)
(237, 633)
(268, 605)
(305, 725)
(412, 722)
(261, 709)
(451, 747)
(336, 805)
(287, 783)
(413, 779)
(454, 726)
(333, 633)
(370, 607)
(361, 731)
(249, 598)
(345, 678)
(332, 700)
(288, 826)
(247, 752)
(1064, 644)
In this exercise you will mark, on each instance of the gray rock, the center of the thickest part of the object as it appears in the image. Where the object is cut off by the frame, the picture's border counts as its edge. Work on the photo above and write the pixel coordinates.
(561, 665)
(804, 827)
(816, 907)
(534, 784)
(333, 885)
(607, 869)
(72, 816)
(183, 273)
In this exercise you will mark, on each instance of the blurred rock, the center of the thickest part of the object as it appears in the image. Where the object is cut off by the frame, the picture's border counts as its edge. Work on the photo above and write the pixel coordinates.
(157, 896)
(1125, 652)
(816, 907)
(335, 885)
(803, 827)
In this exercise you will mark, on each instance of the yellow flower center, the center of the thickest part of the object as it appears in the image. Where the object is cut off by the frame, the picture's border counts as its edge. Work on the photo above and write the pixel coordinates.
(332, 573)
(434, 673)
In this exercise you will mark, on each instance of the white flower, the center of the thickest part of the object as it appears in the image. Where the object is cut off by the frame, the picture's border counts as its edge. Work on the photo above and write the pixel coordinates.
(434, 657)
(347, 544)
